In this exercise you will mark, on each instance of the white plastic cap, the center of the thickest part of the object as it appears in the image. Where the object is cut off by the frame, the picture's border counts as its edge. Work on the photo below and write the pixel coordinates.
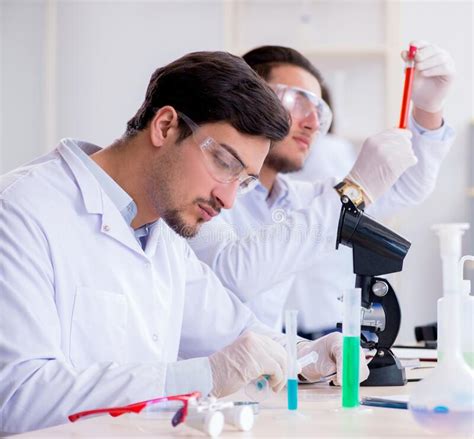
(209, 422)
(241, 417)
(450, 235)
(450, 247)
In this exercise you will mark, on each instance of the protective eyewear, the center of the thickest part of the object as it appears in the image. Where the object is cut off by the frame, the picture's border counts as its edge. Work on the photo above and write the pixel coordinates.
(221, 164)
(179, 417)
(301, 103)
(205, 414)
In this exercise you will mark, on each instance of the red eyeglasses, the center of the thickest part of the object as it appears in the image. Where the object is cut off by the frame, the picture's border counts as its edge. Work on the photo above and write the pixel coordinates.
(178, 418)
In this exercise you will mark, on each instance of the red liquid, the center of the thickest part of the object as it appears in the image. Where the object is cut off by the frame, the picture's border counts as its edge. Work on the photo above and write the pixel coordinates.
(409, 71)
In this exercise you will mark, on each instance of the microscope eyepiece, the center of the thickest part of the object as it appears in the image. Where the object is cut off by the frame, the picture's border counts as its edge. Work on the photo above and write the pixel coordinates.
(376, 249)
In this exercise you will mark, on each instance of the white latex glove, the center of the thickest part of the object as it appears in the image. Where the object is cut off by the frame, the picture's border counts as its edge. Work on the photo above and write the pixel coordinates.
(249, 357)
(329, 350)
(383, 158)
(434, 74)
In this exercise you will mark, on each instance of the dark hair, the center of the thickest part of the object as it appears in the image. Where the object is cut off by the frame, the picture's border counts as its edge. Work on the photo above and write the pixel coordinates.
(263, 59)
(213, 87)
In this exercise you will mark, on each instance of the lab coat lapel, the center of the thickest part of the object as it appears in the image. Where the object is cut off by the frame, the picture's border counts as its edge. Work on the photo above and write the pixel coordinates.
(88, 185)
(152, 241)
(115, 226)
(97, 202)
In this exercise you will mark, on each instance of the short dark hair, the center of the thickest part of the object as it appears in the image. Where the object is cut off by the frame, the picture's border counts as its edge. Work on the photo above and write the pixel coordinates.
(213, 87)
(264, 58)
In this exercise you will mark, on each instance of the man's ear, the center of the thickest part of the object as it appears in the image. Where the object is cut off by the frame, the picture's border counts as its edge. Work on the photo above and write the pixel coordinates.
(165, 118)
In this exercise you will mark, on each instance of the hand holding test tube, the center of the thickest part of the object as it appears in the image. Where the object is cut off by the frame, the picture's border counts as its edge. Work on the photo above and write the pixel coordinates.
(329, 349)
(259, 389)
(433, 76)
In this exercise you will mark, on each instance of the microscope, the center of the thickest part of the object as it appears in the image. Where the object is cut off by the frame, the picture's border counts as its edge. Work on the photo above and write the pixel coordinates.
(376, 250)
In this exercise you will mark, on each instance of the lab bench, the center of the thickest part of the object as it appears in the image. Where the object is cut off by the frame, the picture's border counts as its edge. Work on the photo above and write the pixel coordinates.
(319, 415)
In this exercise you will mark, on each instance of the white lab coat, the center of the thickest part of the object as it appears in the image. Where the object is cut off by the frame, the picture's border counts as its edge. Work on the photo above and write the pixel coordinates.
(315, 292)
(89, 319)
(260, 245)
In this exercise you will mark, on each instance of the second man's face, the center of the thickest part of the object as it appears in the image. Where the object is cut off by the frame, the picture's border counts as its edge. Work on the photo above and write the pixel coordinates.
(195, 188)
(289, 154)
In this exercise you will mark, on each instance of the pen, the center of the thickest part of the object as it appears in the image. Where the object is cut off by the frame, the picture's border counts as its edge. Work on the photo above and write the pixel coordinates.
(382, 402)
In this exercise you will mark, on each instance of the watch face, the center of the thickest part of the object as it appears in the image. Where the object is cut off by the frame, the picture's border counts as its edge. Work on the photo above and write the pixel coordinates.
(352, 192)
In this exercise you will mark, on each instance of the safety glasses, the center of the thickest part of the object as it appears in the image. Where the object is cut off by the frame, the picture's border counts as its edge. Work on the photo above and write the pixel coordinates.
(157, 403)
(221, 164)
(301, 103)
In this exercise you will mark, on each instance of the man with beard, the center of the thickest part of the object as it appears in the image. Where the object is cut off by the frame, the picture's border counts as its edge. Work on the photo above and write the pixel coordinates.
(284, 227)
(99, 292)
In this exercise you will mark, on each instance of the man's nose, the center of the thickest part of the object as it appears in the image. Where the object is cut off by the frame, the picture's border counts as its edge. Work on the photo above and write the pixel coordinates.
(226, 193)
(310, 122)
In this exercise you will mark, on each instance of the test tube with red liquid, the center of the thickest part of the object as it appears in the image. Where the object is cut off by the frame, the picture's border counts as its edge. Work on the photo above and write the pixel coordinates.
(409, 72)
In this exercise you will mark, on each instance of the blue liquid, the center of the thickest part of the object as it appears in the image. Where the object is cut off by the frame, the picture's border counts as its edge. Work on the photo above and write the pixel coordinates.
(442, 420)
(259, 389)
(260, 384)
(292, 387)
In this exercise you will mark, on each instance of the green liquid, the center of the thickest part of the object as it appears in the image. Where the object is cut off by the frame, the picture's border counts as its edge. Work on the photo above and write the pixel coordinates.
(350, 371)
(292, 388)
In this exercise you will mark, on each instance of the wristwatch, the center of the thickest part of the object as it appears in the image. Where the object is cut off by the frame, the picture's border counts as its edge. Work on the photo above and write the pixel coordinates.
(353, 191)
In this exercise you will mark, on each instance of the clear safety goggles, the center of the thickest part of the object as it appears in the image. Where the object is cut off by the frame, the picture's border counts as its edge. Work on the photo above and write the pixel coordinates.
(205, 414)
(300, 103)
(221, 164)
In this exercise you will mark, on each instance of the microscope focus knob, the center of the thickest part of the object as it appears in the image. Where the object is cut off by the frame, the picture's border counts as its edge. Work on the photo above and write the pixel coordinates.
(380, 288)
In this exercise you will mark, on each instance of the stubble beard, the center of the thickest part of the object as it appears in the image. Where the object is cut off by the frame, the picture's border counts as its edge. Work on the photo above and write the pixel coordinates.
(160, 194)
(174, 219)
(281, 164)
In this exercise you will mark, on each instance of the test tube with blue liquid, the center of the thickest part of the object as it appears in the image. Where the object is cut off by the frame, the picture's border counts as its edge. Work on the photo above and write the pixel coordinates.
(293, 369)
(351, 347)
(259, 390)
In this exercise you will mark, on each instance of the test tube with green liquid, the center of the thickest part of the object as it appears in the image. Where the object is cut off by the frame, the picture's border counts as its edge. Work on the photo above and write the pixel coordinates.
(351, 347)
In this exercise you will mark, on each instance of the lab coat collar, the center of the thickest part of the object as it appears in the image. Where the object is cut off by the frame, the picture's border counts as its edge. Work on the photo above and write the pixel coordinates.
(280, 190)
(88, 185)
(96, 201)
(279, 193)
(154, 234)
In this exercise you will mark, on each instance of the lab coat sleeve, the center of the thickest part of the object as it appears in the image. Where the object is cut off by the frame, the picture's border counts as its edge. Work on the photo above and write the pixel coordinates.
(39, 386)
(417, 182)
(213, 316)
(188, 376)
(264, 257)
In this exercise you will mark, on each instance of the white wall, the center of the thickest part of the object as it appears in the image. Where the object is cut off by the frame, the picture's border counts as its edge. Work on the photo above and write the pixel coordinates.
(108, 50)
(21, 81)
(102, 58)
(450, 25)
(80, 68)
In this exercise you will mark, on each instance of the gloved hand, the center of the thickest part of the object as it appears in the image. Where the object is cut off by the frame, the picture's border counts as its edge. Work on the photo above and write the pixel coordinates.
(247, 358)
(434, 74)
(382, 159)
(329, 350)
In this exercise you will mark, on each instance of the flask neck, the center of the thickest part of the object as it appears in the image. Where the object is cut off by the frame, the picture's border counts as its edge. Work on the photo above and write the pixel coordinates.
(449, 326)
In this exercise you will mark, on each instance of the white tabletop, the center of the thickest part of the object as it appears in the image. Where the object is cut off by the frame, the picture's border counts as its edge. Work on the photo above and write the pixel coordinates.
(319, 415)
